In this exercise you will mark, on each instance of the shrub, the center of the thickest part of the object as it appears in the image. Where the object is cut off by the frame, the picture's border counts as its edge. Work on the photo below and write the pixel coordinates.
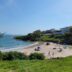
(1, 55)
(8, 56)
(14, 56)
(38, 56)
(19, 55)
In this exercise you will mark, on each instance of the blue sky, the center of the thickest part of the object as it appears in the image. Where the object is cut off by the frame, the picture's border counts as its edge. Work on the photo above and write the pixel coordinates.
(24, 16)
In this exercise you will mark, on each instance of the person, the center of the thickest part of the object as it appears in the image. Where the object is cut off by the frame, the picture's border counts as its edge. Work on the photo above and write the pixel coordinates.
(60, 50)
(47, 43)
(37, 49)
(49, 53)
(49, 56)
(53, 54)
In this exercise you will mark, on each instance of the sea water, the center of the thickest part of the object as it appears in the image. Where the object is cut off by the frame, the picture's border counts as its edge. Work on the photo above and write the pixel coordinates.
(7, 42)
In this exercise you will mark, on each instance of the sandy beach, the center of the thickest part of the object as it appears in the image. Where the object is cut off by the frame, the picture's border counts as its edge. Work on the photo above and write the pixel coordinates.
(50, 51)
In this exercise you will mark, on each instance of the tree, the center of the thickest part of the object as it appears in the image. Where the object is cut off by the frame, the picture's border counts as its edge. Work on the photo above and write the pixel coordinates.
(68, 37)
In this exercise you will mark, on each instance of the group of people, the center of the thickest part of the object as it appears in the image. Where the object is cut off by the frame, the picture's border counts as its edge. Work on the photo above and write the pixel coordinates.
(37, 49)
(51, 53)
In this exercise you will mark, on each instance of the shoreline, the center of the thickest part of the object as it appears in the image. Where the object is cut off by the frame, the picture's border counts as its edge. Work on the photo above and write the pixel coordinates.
(47, 50)
(19, 48)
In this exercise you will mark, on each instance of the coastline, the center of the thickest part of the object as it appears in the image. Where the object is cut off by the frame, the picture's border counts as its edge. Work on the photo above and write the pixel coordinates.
(47, 50)
(19, 48)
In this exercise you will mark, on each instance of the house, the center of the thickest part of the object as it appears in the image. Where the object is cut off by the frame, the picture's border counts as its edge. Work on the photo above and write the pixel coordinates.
(56, 32)
(65, 30)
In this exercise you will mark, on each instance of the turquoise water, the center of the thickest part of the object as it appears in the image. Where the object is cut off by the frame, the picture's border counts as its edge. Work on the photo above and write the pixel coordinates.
(10, 42)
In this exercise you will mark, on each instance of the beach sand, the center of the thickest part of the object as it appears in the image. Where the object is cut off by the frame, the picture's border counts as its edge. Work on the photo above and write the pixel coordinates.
(48, 50)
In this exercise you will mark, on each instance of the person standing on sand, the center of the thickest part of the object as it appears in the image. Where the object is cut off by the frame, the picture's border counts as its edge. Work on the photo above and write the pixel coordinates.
(49, 54)
(53, 55)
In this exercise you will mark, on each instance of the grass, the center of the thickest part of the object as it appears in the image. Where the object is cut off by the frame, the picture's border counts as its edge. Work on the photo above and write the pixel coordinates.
(53, 65)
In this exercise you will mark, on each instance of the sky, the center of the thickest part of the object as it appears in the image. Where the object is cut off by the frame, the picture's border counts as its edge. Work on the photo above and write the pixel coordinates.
(25, 16)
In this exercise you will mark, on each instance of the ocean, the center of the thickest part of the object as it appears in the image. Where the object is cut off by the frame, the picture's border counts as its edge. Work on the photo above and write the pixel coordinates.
(7, 42)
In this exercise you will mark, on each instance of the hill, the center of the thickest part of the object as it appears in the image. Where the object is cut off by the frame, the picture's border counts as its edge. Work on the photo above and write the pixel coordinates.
(49, 36)
(53, 65)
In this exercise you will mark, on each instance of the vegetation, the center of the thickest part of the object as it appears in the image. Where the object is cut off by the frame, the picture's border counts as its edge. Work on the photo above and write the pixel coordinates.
(47, 38)
(41, 36)
(35, 36)
(53, 65)
(12, 56)
(38, 56)
(68, 37)
(20, 56)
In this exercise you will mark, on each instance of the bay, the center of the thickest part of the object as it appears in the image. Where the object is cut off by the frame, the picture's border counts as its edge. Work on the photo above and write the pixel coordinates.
(8, 42)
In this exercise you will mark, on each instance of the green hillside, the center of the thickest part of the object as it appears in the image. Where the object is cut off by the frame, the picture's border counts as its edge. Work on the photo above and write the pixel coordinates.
(53, 65)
